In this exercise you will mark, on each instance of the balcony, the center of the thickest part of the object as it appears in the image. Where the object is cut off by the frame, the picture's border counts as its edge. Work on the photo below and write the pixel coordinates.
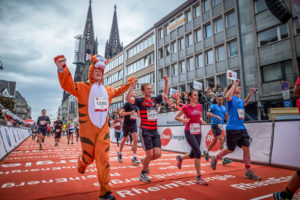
(174, 57)
(217, 10)
(221, 66)
(233, 62)
(173, 35)
(167, 60)
(181, 54)
(230, 32)
(167, 38)
(228, 4)
(174, 80)
(219, 37)
(180, 31)
(197, 21)
(207, 42)
(161, 62)
(182, 78)
(209, 69)
(206, 16)
(191, 75)
(188, 26)
(190, 50)
(198, 46)
(200, 72)
(160, 42)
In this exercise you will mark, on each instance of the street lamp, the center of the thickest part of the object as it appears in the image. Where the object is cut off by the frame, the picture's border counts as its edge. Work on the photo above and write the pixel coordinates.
(1, 67)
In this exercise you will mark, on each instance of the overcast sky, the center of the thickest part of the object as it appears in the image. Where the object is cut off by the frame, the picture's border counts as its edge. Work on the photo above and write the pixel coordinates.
(33, 32)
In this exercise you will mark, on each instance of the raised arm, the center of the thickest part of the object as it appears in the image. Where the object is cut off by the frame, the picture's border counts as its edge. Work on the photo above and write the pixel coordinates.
(123, 113)
(231, 91)
(123, 88)
(64, 76)
(252, 90)
(129, 94)
(166, 90)
(183, 120)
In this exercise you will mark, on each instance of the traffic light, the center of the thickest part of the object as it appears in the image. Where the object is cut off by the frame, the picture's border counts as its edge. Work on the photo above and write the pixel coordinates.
(279, 10)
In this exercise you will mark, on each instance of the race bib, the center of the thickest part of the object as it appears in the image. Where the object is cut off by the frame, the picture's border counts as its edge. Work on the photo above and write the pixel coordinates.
(152, 114)
(195, 128)
(118, 124)
(133, 116)
(241, 113)
(57, 130)
(42, 122)
(101, 104)
(220, 126)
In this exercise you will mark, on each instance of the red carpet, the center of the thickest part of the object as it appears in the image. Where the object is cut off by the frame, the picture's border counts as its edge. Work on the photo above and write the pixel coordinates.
(28, 173)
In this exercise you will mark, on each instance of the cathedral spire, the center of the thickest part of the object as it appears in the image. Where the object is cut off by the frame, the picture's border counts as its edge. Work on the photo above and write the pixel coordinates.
(89, 31)
(113, 45)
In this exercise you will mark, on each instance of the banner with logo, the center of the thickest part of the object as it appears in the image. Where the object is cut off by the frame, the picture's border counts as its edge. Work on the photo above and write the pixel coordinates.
(7, 139)
(167, 119)
(176, 23)
(2, 149)
(197, 85)
(286, 144)
(232, 75)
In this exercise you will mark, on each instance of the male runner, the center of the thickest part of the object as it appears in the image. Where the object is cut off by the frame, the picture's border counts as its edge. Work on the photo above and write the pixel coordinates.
(34, 130)
(71, 130)
(236, 133)
(117, 124)
(42, 127)
(57, 128)
(148, 114)
(129, 111)
(218, 113)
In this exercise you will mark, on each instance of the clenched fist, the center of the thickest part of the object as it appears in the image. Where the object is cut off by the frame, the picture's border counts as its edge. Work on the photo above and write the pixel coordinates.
(60, 61)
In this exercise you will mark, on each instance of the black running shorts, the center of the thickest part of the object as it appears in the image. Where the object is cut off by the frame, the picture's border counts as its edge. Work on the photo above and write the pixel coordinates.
(150, 139)
(130, 130)
(237, 137)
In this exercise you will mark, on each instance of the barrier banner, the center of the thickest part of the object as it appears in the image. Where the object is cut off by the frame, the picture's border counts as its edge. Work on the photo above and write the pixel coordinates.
(286, 149)
(8, 143)
(167, 119)
(14, 136)
(2, 149)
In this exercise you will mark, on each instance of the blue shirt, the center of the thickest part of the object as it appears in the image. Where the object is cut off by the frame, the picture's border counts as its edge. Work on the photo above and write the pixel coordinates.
(219, 111)
(235, 109)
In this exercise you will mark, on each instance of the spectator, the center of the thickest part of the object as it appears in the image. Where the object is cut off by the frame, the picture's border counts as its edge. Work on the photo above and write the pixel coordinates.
(219, 92)
(211, 97)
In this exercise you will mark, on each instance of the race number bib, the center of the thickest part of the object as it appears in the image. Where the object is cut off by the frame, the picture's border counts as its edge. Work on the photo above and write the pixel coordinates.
(101, 104)
(42, 122)
(57, 130)
(195, 128)
(220, 126)
(118, 124)
(133, 116)
(152, 114)
(241, 113)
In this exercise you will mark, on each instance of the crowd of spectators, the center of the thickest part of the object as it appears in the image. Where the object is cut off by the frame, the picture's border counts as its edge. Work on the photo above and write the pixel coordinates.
(8, 120)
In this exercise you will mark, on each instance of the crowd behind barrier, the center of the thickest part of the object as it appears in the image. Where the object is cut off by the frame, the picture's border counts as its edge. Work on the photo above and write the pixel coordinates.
(272, 142)
(7, 118)
(10, 138)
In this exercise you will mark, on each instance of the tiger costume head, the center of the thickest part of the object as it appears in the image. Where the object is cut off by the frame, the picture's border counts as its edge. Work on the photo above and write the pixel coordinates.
(97, 62)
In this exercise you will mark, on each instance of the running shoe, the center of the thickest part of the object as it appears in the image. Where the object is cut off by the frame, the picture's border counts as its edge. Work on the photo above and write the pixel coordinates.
(206, 155)
(201, 181)
(56, 144)
(277, 196)
(71, 142)
(144, 178)
(250, 175)
(120, 157)
(134, 160)
(148, 170)
(179, 161)
(107, 196)
(213, 163)
(41, 147)
(43, 141)
(226, 161)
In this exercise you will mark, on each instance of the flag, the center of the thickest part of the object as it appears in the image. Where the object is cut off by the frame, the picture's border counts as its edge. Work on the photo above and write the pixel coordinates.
(232, 75)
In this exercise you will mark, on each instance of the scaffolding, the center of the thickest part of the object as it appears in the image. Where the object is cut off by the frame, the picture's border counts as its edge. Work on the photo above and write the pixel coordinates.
(79, 54)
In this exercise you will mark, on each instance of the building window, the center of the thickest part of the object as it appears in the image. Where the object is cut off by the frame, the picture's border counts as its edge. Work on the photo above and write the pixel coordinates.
(160, 34)
(277, 72)
(206, 6)
(210, 82)
(182, 88)
(189, 40)
(167, 31)
(260, 5)
(199, 60)
(217, 2)
(173, 47)
(272, 35)
(218, 25)
(160, 53)
(220, 53)
(188, 16)
(207, 31)
(167, 50)
(198, 35)
(167, 70)
(230, 20)
(161, 74)
(209, 59)
(197, 11)
(232, 48)
(182, 67)
(190, 62)
(174, 70)
(222, 81)
(181, 44)
(297, 26)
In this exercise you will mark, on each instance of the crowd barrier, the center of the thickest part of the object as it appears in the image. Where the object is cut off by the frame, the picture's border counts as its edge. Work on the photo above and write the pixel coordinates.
(272, 142)
(10, 138)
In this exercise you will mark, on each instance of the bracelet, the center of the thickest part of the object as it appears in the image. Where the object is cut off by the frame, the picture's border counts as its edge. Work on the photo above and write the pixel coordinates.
(60, 69)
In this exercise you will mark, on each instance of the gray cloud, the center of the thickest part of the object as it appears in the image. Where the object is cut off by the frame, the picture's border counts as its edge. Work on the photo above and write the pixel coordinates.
(32, 32)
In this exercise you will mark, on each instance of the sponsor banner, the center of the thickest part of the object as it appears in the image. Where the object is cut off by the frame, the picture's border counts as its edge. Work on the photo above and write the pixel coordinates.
(173, 139)
(232, 75)
(176, 23)
(167, 119)
(197, 85)
(286, 144)
(2, 149)
(7, 140)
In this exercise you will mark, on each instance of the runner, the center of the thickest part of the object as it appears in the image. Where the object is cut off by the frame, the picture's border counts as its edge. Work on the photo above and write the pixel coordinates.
(117, 124)
(94, 101)
(71, 130)
(148, 114)
(34, 130)
(218, 112)
(291, 188)
(58, 128)
(236, 133)
(129, 111)
(42, 127)
(192, 132)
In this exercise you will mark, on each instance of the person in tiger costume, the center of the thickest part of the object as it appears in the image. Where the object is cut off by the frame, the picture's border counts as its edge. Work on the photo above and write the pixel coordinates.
(94, 100)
